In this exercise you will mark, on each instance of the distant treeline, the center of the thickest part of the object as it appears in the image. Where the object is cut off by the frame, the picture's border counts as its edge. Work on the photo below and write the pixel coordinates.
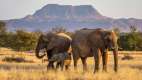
(131, 41)
(21, 40)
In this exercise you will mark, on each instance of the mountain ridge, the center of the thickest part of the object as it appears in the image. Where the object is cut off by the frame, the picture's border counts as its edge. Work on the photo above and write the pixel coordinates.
(70, 17)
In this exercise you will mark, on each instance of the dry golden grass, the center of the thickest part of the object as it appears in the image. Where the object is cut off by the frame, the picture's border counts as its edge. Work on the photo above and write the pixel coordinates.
(128, 70)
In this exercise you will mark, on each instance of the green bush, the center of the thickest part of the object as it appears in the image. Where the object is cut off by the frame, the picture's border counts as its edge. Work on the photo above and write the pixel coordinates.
(20, 40)
(131, 41)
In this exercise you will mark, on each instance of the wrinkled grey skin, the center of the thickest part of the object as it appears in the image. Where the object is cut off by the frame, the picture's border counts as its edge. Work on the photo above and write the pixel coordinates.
(60, 59)
(53, 44)
(87, 42)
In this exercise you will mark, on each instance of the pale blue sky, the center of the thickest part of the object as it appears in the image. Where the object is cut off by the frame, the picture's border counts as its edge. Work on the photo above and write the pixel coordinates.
(11, 9)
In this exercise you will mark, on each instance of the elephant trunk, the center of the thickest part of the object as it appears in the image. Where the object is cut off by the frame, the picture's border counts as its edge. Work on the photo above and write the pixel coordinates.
(37, 54)
(115, 53)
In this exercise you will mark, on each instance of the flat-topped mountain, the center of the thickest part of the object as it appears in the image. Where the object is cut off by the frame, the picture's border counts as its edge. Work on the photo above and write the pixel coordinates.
(70, 17)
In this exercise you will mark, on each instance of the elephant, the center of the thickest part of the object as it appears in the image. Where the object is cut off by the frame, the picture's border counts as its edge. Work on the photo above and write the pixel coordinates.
(53, 44)
(88, 43)
(62, 59)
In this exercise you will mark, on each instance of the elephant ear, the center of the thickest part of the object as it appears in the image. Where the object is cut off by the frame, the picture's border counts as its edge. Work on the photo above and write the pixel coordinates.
(110, 35)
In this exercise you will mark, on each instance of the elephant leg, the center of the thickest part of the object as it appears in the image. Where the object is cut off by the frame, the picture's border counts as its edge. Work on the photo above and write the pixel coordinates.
(76, 56)
(97, 60)
(104, 60)
(67, 67)
(62, 65)
(75, 64)
(84, 64)
(50, 65)
(57, 65)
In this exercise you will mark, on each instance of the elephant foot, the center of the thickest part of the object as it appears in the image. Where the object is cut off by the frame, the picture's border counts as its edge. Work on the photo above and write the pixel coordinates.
(66, 68)
(96, 71)
(115, 69)
(49, 67)
(105, 71)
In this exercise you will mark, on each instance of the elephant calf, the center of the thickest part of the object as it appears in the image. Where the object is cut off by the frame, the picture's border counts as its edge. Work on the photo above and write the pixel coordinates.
(62, 59)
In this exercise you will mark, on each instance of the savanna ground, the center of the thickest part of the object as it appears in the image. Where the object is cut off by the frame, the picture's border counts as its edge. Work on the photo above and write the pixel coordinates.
(35, 69)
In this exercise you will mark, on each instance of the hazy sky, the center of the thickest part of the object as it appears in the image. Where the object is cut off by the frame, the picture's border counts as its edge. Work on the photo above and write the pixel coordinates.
(10, 9)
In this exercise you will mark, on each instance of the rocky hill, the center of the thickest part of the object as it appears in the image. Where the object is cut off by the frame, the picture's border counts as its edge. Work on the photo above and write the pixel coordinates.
(70, 17)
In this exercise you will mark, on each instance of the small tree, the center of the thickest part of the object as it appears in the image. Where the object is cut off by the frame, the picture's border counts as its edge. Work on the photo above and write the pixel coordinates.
(24, 40)
(133, 37)
(3, 33)
(2, 27)
(133, 29)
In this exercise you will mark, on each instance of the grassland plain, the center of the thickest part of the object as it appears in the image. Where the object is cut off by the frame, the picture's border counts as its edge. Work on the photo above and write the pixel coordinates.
(36, 70)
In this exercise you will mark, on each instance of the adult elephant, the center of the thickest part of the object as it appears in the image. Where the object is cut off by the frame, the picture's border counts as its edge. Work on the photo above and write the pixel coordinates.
(88, 42)
(53, 44)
